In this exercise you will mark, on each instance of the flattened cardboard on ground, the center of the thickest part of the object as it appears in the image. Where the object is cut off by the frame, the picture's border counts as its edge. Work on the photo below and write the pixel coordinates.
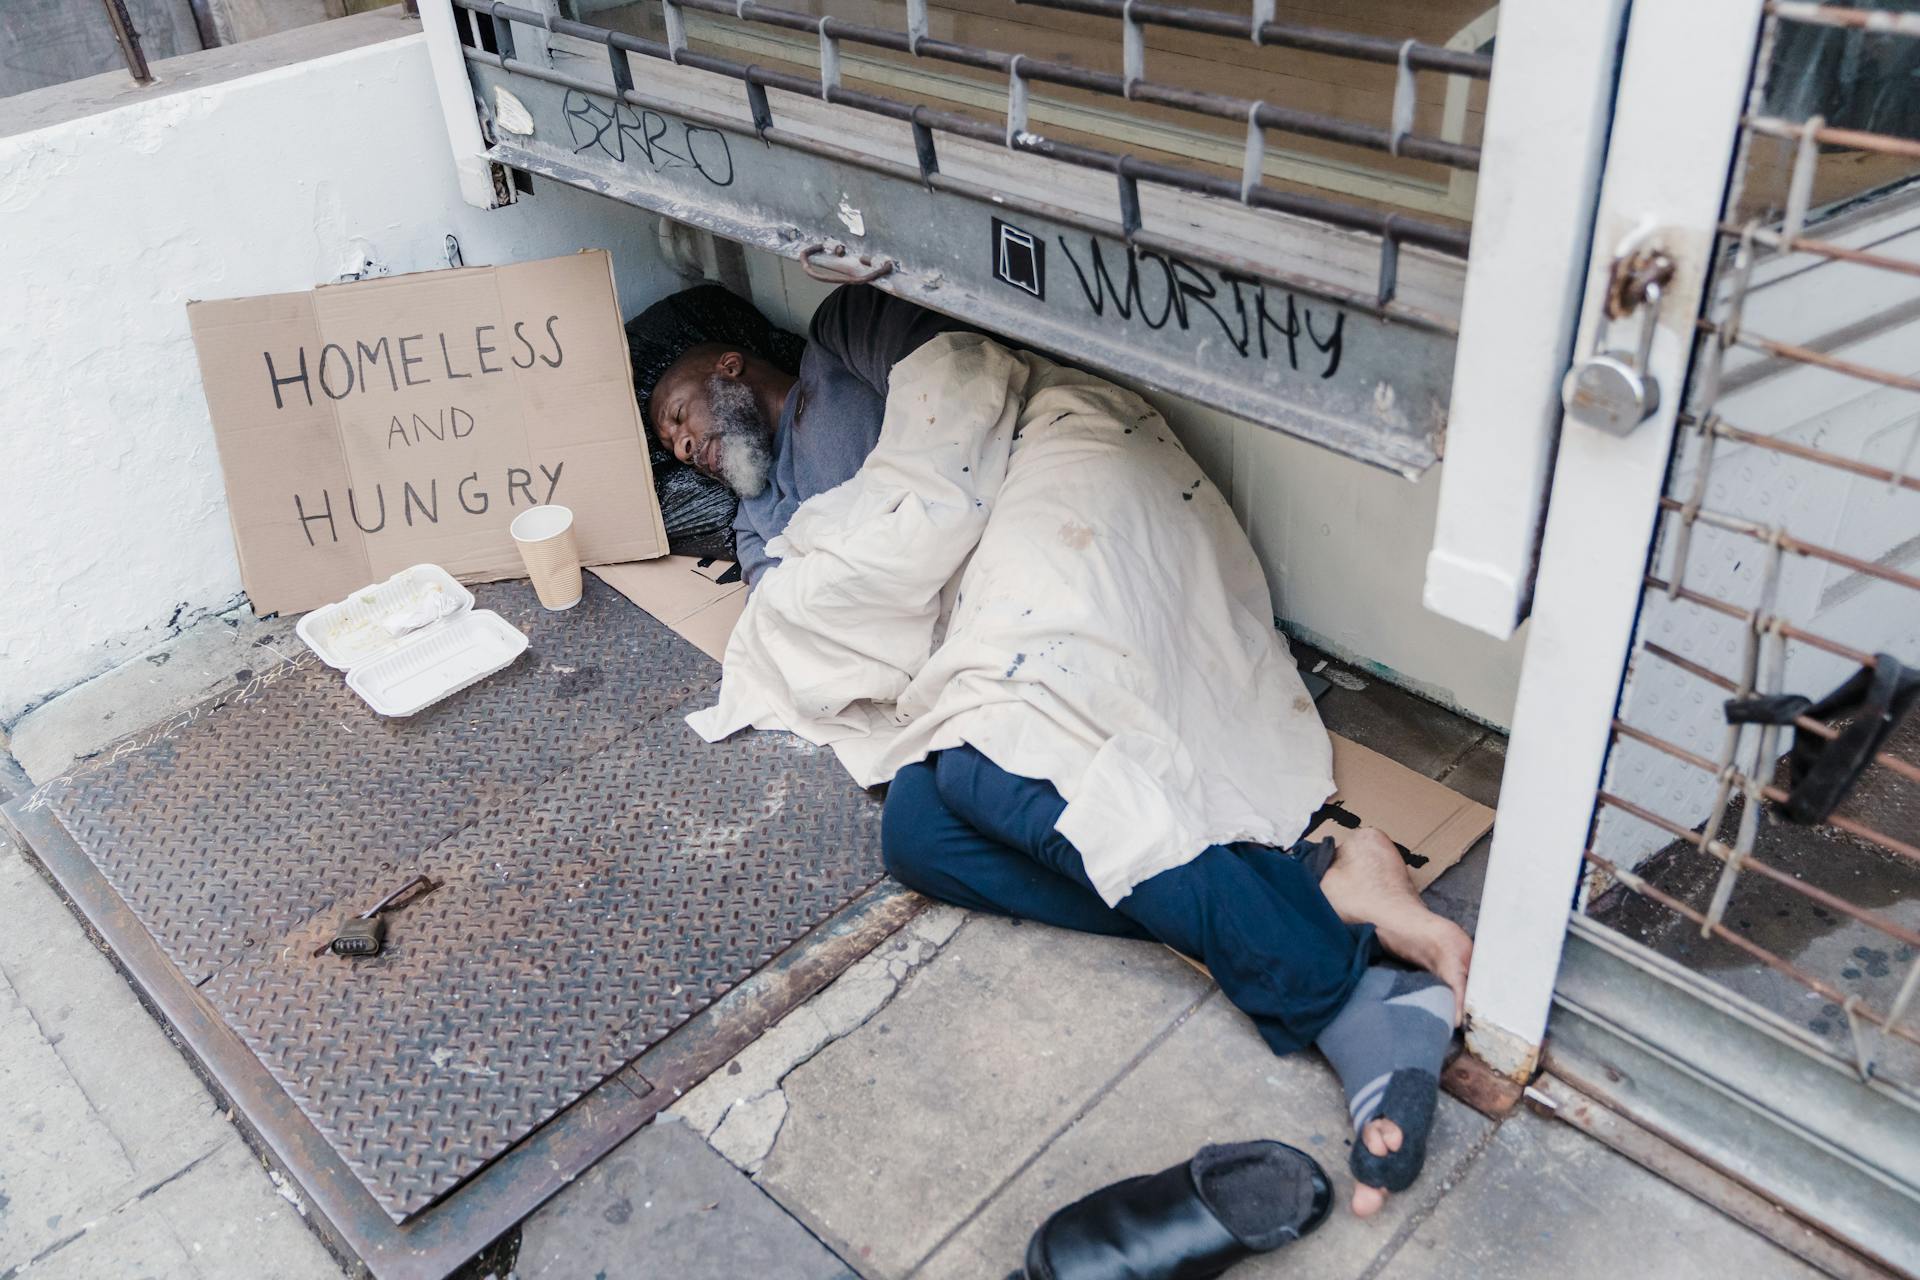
(686, 594)
(1422, 815)
(1436, 825)
(370, 426)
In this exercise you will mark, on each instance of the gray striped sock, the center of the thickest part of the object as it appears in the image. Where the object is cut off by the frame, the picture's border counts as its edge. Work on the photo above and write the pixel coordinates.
(1387, 1044)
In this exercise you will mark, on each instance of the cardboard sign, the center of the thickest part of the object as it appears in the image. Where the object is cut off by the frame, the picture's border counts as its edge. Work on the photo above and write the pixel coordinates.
(366, 427)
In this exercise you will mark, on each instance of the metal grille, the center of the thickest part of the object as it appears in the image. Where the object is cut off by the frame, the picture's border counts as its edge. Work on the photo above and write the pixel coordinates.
(492, 42)
(1742, 602)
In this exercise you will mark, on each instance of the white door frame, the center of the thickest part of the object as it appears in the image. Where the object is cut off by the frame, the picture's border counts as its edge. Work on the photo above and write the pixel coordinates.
(455, 91)
(1683, 85)
(1548, 109)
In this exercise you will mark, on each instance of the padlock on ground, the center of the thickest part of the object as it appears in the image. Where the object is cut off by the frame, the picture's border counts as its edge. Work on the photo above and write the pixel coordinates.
(360, 936)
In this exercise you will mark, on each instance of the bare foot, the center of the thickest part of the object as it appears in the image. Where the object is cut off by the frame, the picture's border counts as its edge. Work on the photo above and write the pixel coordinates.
(1382, 1137)
(1369, 884)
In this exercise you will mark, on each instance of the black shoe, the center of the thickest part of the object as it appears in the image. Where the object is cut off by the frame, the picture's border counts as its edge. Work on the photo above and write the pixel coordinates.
(1190, 1222)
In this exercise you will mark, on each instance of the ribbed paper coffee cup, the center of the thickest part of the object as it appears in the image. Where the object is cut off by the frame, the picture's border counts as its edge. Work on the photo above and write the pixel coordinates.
(545, 538)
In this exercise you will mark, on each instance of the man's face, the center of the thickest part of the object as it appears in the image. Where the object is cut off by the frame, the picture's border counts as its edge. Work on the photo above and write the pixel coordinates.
(710, 419)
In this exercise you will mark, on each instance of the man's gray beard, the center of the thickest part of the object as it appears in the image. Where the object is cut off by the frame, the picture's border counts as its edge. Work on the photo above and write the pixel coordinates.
(746, 453)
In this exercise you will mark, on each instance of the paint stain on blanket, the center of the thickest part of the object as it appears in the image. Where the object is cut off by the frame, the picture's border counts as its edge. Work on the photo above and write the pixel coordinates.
(1076, 535)
(1019, 660)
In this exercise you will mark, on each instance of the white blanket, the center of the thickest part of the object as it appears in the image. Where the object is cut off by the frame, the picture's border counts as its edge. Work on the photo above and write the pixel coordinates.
(1030, 563)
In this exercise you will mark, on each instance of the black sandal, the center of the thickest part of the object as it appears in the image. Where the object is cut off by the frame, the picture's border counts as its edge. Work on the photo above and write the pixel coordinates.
(1190, 1222)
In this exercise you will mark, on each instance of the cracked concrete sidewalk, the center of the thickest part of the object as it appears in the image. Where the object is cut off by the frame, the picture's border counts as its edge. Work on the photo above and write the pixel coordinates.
(917, 1118)
(114, 1160)
(740, 1108)
(1021, 1067)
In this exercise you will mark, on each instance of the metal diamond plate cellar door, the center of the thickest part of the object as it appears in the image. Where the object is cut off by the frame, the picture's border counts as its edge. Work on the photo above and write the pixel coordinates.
(603, 876)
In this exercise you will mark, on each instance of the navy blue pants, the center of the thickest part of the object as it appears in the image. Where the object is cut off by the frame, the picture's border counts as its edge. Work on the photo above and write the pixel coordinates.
(959, 828)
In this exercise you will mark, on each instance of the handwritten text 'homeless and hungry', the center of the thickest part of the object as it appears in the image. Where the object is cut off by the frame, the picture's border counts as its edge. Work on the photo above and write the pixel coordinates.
(337, 374)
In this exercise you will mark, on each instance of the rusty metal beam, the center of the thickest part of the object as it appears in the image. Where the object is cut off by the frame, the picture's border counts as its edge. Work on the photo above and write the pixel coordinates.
(129, 39)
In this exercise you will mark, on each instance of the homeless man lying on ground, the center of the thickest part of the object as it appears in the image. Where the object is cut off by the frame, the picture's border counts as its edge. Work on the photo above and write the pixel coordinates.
(999, 584)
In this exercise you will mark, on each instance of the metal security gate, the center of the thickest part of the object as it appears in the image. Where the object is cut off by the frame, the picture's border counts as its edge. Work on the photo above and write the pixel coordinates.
(1083, 185)
(1742, 973)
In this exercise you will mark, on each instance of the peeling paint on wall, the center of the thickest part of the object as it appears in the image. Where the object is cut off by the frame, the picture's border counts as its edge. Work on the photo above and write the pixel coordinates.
(852, 218)
(510, 115)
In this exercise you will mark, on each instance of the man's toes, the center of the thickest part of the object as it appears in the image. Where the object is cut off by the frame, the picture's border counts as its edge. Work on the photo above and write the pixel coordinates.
(1367, 1200)
(1383, 1137)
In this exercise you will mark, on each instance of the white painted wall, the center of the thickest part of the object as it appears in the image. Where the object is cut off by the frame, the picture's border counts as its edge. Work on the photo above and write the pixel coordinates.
(115, 524)
(1345, 548)
(1345, 545)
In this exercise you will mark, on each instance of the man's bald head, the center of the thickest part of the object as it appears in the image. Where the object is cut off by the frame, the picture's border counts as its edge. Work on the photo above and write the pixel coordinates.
(705, 410)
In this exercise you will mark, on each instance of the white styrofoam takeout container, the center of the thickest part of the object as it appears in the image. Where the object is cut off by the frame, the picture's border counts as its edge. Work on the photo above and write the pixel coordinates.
(412, 640)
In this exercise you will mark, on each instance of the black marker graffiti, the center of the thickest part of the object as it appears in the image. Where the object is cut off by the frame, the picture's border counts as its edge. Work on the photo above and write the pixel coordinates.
(1341, 816)
(1174, 290)
(338, 372)
(419, 502)
(617, 130)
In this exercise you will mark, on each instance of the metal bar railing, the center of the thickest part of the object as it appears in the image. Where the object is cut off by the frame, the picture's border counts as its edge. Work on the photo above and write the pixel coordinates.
(1820, 359)
(1763, 791)
(1812, 550)
(1339, 44)
(1808, 453)
(1760, 621)
(1803, 723)
(1393, 229)
(1771, 624)
(921, 117)
(1749, 755)
(204, 25)
(128, 37)
(1311, 124)
(1825, 249)
(1853, 1004)
(1877, 21)
(1828, 136)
